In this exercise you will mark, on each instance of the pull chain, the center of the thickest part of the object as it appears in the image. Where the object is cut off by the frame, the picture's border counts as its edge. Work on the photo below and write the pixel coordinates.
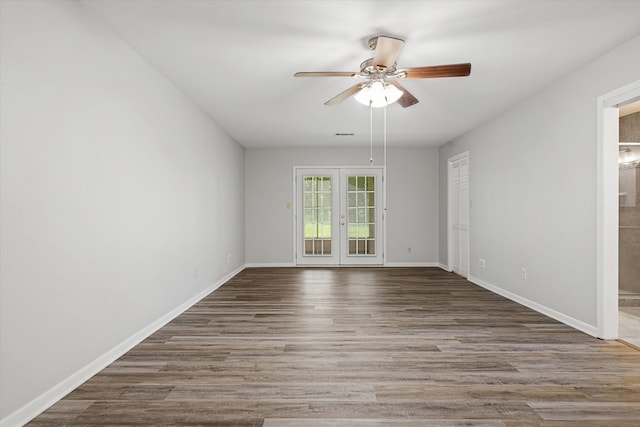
(371, 132)
(384, 134)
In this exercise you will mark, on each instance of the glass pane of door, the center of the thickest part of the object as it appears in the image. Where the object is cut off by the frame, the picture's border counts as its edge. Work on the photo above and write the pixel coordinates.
(317, 204)
(317, 209)
(361, 216)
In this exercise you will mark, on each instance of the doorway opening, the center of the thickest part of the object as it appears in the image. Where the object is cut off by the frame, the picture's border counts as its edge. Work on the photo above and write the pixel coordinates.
(629, 224)
(609, 207)
(339, 216)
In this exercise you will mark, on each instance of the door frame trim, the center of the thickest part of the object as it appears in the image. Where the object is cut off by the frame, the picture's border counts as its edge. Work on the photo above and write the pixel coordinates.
(450, 161)
(607, 208)
(294, 207)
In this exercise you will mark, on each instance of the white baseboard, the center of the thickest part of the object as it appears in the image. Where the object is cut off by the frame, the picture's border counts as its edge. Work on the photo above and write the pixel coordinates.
(53, 395)
(269, 264)
(411, 264)
(388, 264)
(444, 267)
(561, 317)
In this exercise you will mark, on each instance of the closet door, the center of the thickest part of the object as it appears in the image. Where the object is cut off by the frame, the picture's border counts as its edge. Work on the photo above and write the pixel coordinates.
(463, 179)
(458, 176)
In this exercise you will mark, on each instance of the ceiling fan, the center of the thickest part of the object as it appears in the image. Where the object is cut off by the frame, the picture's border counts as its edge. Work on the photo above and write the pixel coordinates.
(381, 76)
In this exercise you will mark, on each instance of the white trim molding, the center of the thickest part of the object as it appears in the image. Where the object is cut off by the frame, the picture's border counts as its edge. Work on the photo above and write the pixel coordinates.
(53, 395)
(389, 264)
(607, 208)
(444, 267)
(560, 317)
(412, 264)
(269, 264)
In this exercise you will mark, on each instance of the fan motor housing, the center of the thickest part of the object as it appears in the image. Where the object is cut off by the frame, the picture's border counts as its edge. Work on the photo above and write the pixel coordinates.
(367, 67)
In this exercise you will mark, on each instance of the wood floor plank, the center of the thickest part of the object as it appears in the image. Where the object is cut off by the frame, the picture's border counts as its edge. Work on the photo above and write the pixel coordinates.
(273, 392)
(360, 347)
(318, 422)
(579, 411)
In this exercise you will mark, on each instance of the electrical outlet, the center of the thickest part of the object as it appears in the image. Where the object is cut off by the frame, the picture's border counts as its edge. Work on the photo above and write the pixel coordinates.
(229, 258)
(524, 273)
(482, 263)
(409, 249)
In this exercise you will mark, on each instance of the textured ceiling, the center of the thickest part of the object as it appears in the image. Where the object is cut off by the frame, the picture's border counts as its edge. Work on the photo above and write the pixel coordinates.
(236, 59)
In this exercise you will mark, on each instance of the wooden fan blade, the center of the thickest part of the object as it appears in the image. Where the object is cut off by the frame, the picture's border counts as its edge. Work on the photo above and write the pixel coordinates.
(346, 94)
(326, 74)
(406, 100)
(387, 51)
(452, 70)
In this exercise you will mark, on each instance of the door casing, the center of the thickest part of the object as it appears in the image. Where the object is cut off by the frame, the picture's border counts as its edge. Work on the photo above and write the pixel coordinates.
(380, 213)
(608, 209)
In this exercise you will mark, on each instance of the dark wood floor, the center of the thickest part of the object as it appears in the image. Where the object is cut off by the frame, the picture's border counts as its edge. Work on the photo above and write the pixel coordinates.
(360, 347)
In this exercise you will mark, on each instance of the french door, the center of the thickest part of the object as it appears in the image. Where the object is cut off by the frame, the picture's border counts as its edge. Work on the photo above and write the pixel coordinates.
(339, 216)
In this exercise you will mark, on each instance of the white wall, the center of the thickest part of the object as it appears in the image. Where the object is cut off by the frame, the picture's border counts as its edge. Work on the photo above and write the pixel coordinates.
(412, 187)
(533, 190)
(120, 199)
(412, 200)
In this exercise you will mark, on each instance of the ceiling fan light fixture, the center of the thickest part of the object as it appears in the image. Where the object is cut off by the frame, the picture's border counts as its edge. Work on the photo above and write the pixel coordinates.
(378, 94)
(381, 87)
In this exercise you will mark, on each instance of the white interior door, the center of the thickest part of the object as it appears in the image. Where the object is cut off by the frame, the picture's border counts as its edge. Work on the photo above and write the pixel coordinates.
(459, 214)
(339, 216)
(463, 169)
